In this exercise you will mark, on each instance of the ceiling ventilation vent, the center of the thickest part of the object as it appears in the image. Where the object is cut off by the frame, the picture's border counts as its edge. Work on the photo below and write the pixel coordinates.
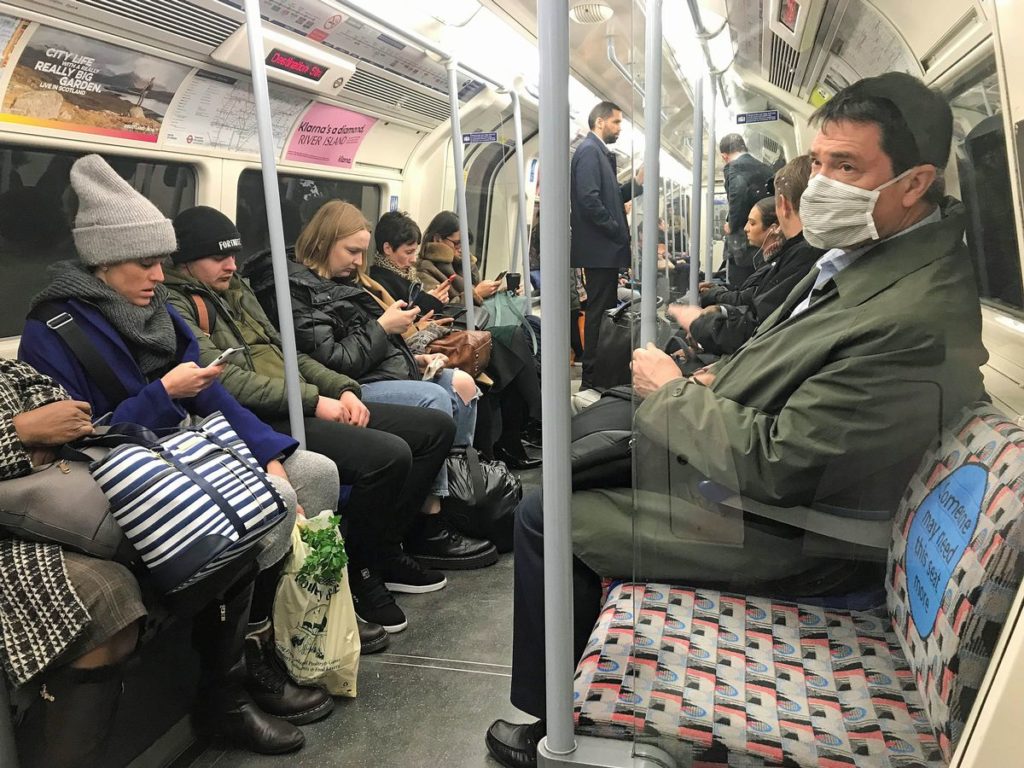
(783, 64)
(176, 17)
(396, 96)
(590, 13)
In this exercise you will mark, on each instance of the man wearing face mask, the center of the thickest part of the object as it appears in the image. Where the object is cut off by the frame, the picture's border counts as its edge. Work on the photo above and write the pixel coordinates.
(834, 399)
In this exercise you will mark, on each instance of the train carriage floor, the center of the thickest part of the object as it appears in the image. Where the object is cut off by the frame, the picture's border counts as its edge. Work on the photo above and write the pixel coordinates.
(427, 700)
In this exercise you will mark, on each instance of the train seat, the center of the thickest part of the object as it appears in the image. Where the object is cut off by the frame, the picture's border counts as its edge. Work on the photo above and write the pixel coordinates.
(719, 679)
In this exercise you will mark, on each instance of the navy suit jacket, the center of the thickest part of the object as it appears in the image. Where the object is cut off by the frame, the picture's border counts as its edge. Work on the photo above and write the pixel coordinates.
(600, 234)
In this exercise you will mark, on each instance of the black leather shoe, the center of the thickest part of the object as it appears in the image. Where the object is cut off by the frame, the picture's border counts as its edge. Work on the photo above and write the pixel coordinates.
(373, 638)
(230, 712)
(273, 691)
(515, 746)
(516, 462)
(439, 546)
(533, 434)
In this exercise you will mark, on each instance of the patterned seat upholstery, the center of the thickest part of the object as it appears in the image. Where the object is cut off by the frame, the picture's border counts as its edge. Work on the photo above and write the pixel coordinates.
(719, 679)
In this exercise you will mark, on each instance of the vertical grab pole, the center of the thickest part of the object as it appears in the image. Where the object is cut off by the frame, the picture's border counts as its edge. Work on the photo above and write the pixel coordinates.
(652, 172)
(553, 36)
(695, 198)
(460, 189)
(272, 197)
(709, 202)
(666, 187)
(523, 238)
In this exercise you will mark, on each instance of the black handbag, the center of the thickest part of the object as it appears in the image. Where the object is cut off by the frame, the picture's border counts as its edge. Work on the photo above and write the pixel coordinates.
(483, 497)
(619, 336)
(602, 442)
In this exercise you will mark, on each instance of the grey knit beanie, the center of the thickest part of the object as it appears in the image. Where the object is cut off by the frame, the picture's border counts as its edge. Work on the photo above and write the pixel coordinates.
(114, 222)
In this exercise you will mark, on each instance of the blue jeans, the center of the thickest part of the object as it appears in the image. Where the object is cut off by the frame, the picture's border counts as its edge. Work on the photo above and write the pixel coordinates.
(440, 395)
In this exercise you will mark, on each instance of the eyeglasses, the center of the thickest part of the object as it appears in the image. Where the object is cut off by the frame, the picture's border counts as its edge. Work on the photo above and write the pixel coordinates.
(456, 244)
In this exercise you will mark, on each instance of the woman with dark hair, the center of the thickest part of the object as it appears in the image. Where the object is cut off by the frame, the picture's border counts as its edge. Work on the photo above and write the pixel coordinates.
(149, 375)
(730, 317)
(513, 368)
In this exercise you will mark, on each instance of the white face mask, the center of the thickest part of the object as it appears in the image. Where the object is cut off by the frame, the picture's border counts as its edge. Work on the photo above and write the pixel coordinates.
(840, 215)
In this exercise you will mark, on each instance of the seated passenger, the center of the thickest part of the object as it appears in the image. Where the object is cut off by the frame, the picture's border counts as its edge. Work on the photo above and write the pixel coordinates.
(730, 317)
(340, 324)
(115, 295)
(72, 620)
(391, 465)
(835, 398)
(516, 380)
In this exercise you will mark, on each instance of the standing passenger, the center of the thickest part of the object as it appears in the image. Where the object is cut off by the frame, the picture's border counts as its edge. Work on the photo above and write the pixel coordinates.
(600, 234)
(745, 183)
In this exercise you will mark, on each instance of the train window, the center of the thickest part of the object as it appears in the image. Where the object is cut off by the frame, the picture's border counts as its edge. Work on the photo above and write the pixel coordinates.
(301, 197)
(37, 211)
(982, 163)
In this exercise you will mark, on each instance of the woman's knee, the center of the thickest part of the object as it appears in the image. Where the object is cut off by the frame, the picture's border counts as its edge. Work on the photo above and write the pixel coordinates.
(464, 386)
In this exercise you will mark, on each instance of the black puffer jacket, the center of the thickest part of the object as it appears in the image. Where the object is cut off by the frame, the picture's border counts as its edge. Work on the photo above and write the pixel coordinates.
(335, 323)
(761, 294)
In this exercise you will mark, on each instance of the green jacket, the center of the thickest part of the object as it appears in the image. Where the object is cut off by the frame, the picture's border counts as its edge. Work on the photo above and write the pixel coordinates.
(257, 381)
(840, 402)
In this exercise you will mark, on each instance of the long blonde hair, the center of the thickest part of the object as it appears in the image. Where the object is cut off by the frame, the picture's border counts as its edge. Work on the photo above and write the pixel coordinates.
(334, 221)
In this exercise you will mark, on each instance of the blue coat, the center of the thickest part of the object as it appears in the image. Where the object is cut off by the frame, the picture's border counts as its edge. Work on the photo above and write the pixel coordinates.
(600, 233)
(149, 404)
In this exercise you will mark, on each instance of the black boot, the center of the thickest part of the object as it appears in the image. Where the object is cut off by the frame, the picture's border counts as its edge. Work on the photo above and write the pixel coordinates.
(271, 688)
(373, 638)
(69, 724)
(224, 707)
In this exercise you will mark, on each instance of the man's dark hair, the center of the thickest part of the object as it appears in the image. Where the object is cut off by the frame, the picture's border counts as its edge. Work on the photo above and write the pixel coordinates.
(602, 111)
(732, 143)
(396, 229)
(898, 142)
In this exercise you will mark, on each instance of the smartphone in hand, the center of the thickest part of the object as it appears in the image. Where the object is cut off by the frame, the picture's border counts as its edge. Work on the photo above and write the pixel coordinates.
(224, 356)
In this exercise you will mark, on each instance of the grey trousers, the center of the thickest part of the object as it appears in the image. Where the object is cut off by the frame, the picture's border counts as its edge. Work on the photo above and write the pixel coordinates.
(313, 483)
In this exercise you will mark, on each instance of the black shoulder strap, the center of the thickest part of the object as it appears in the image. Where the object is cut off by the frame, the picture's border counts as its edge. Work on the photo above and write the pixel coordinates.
(59, 320)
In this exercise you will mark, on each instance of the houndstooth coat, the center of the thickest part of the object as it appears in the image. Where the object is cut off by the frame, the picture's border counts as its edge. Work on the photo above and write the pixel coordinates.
(40, 613)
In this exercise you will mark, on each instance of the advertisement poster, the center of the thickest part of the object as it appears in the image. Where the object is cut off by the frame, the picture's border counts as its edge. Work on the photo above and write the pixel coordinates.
(218, 111)
(11, 30)
(329, 136)
(72, 83)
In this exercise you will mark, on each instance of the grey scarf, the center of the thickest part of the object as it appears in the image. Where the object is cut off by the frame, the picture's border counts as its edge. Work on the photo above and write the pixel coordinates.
(148, 331)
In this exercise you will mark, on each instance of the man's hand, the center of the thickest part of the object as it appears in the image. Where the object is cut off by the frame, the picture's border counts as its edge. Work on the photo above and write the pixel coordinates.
(683, 314)
(652, 369)
(356, 412)
(705, 287)
(54, 424)
(329, 409)
(726, 228)
(640, 176)
(704, 376)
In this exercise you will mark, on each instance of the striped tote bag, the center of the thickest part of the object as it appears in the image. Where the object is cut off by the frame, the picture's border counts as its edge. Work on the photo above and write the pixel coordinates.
(189, 503)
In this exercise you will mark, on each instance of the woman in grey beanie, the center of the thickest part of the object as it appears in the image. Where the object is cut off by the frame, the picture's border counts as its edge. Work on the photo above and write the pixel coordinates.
(116, 298)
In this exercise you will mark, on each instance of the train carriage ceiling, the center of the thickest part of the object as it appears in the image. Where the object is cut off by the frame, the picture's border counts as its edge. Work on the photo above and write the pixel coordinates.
(851, 39)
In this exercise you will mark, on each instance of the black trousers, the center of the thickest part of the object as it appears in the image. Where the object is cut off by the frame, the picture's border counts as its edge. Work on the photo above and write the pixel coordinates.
(528, 621)
(602, 286)
(391, 465)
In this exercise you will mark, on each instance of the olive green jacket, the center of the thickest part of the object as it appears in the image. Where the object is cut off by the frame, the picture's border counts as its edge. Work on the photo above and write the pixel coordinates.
(257, 380)
(840, 402)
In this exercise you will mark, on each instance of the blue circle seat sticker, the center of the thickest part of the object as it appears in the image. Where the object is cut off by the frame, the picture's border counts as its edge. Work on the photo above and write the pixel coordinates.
(939, 534)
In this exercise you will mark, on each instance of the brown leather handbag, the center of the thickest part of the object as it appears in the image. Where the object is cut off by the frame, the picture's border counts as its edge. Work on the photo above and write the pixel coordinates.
(469, 351)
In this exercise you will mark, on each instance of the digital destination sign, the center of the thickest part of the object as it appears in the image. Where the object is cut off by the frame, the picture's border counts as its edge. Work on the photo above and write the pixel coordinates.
(295, 65)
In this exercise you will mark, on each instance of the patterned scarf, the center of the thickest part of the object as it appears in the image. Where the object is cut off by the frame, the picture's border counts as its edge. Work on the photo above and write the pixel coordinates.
(409, 273)
(148, 331)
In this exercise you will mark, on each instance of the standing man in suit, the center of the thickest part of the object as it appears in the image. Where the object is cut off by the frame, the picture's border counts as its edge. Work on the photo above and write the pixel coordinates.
(600, 234)
(746, 182)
